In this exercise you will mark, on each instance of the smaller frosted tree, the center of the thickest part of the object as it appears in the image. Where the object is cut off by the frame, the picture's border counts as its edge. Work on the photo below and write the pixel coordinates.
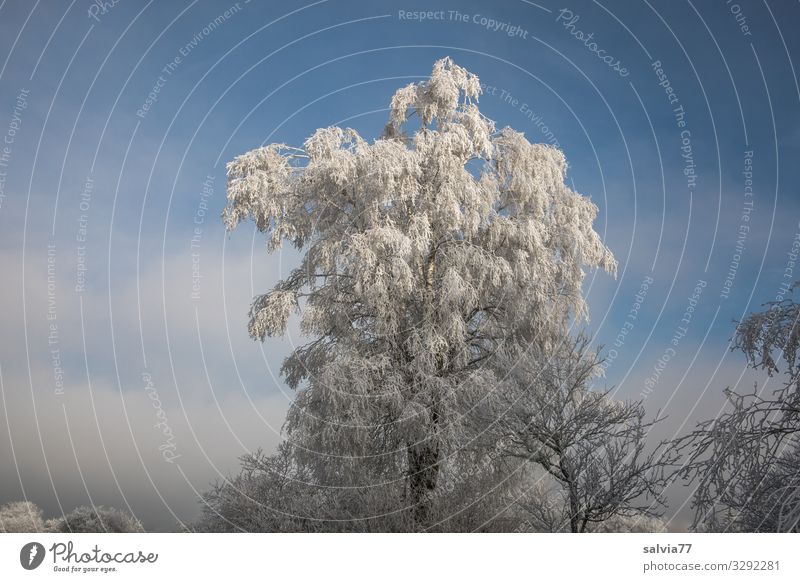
(746, 461)
(425, 254)
(589, 445)
(21, 517)
(95, 520)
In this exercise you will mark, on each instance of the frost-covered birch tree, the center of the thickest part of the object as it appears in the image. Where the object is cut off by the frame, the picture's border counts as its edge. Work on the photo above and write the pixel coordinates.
(425, 253)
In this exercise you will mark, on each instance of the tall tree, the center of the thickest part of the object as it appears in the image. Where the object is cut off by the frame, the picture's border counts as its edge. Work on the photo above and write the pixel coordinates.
(425, 253)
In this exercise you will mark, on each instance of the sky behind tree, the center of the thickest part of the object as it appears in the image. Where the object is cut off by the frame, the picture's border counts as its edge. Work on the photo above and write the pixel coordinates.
(128, 377)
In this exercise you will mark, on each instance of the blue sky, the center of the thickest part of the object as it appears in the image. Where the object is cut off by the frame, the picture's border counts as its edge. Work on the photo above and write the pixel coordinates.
(146, 102)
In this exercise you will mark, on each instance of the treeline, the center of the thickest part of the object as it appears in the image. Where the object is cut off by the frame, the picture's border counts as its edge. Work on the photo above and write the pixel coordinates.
(27, 517)
(557, 456)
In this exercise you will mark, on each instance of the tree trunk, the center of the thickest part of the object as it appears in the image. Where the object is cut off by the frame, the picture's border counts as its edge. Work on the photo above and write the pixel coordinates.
(574, 517)
(423, 471)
